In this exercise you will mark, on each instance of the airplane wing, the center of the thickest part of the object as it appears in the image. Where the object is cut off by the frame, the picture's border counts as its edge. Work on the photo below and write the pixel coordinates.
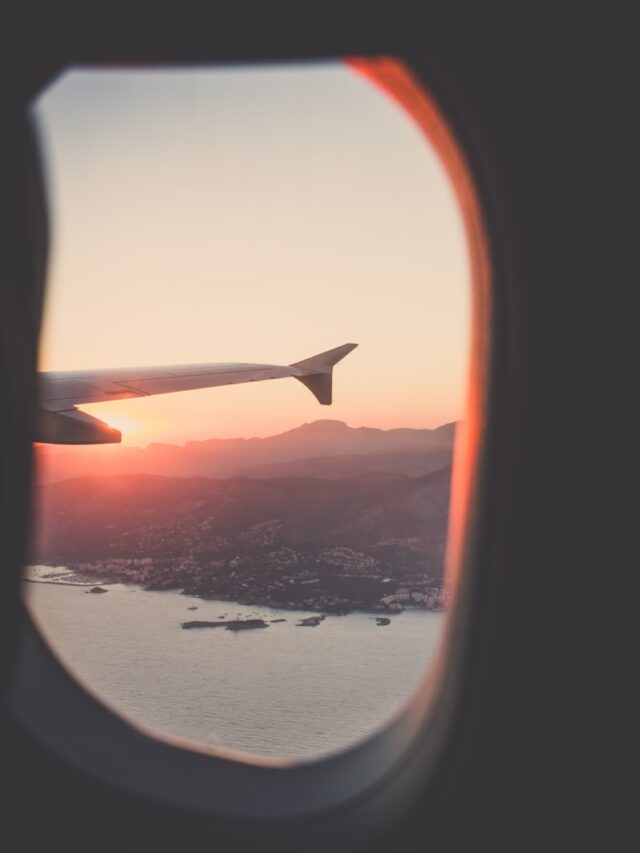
(60, 392)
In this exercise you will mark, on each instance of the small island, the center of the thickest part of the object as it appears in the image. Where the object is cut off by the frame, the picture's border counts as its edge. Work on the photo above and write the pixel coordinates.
(310, 622)
(230, 625)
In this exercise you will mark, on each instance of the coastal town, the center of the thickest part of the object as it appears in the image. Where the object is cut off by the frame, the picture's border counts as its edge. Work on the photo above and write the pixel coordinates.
(387, 579)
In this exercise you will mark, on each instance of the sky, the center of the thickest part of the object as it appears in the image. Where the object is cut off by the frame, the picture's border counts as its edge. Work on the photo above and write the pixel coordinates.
(252, 214)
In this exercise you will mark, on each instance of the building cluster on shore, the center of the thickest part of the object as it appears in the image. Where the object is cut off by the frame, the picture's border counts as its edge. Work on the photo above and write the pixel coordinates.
(258, 569)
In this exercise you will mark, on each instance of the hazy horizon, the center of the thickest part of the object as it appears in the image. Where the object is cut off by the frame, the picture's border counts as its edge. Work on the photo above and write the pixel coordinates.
(114, 447)
(326, 448)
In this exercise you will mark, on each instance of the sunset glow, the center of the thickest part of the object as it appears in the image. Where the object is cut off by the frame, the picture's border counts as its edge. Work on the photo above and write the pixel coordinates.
(255, 214)
(114, 415)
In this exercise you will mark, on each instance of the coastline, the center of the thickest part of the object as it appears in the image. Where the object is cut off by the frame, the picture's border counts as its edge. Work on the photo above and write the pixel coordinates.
(342, 608)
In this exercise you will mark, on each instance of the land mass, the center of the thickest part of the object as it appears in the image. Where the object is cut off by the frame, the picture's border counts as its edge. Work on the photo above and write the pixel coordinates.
(370, 541)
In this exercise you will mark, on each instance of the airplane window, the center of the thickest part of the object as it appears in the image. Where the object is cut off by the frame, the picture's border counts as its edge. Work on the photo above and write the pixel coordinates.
(248, 564)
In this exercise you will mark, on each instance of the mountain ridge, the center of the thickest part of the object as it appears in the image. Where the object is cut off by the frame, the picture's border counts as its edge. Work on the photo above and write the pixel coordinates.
(326, 448)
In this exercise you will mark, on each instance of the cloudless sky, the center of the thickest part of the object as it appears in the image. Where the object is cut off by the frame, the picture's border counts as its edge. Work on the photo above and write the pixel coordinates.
(259, 214)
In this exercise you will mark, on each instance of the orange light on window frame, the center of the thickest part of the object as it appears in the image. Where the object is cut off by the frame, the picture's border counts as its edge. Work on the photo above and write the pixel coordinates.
(396, 80)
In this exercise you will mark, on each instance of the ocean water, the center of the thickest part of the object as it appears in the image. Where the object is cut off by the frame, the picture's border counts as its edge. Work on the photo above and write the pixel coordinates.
(283, 691)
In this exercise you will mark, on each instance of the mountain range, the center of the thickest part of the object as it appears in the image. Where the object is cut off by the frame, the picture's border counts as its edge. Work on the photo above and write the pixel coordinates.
(323, 516)
(326, 449)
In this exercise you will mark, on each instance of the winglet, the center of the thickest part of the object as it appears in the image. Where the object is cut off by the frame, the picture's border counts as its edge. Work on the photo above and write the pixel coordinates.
(318, 371)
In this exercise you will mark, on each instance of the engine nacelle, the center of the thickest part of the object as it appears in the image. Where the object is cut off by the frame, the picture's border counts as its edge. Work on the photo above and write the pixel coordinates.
(74, 427)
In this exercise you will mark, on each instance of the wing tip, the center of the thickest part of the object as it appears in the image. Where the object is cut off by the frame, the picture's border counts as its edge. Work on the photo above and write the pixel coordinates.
(324, 361)
(318, 377)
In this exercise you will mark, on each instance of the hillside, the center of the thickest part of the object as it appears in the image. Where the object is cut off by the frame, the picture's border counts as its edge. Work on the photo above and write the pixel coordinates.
(319, 543)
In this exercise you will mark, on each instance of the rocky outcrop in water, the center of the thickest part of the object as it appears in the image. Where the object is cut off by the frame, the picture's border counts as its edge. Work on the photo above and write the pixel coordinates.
(310, 622)
(230, 625)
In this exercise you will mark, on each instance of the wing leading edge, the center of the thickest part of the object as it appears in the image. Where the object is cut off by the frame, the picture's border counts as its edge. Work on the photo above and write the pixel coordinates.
(61, 423)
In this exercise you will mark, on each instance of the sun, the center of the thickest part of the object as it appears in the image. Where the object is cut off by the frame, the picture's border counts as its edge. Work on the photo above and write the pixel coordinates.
(130, 427)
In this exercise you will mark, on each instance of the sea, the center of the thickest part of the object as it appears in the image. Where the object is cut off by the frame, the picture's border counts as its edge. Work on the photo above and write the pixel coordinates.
(285, 690)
